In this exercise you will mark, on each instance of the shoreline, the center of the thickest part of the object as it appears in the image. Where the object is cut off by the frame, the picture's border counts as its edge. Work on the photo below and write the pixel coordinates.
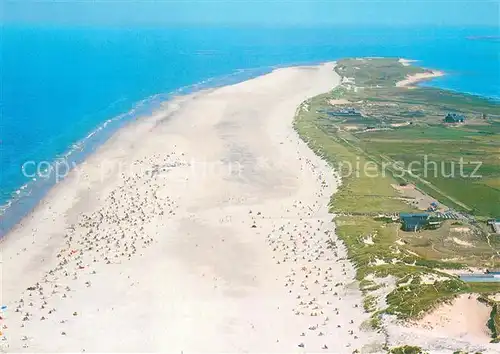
(242, 256)
(18, 208)
(52, 190)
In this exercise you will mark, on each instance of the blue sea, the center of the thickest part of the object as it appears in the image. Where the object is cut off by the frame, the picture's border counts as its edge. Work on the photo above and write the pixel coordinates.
(65, 90)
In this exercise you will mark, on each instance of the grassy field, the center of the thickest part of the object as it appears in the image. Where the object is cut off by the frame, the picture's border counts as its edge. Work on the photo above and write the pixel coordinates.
(415, 263)
(457, 164)
(462, 162)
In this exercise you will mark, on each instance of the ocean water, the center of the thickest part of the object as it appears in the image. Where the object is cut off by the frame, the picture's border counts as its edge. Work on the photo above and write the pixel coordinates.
(65, 90)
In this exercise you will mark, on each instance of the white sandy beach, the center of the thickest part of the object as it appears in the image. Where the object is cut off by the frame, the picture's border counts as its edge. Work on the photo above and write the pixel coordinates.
(413, 79)
(213, 239)
(406, 62)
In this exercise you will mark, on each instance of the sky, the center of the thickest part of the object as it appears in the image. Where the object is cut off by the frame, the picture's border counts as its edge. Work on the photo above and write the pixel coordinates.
(251, 12)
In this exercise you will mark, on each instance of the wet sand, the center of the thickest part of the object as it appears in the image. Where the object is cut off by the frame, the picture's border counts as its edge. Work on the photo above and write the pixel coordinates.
(203, 228)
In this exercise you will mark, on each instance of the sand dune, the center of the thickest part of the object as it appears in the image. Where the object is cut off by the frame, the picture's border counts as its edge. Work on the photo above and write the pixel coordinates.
(465, 317)
(203, 228)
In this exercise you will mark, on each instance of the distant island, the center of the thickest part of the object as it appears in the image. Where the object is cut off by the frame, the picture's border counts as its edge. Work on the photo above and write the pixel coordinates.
(421, 229)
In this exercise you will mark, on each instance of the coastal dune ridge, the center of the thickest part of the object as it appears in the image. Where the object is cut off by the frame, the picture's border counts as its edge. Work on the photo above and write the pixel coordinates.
(228, 260)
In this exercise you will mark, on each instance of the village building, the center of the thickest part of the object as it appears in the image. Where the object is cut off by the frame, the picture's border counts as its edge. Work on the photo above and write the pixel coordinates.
(495, 224)
(414, 222)
(454, 118)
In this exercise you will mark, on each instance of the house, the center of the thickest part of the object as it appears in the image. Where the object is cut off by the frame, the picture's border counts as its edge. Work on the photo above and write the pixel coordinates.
(433, 206)
(454, 118)
(349, 112)
(414, 222)
(493, 271)
(495, 224)
(433, 224)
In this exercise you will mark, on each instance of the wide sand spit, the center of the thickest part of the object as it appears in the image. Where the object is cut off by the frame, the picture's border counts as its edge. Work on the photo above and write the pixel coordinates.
(202, 228)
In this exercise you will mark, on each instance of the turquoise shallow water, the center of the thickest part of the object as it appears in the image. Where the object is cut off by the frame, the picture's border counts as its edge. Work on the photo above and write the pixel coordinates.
(66, 90)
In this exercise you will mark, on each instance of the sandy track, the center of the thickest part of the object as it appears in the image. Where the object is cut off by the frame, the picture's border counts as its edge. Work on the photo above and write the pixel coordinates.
(212, 237)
